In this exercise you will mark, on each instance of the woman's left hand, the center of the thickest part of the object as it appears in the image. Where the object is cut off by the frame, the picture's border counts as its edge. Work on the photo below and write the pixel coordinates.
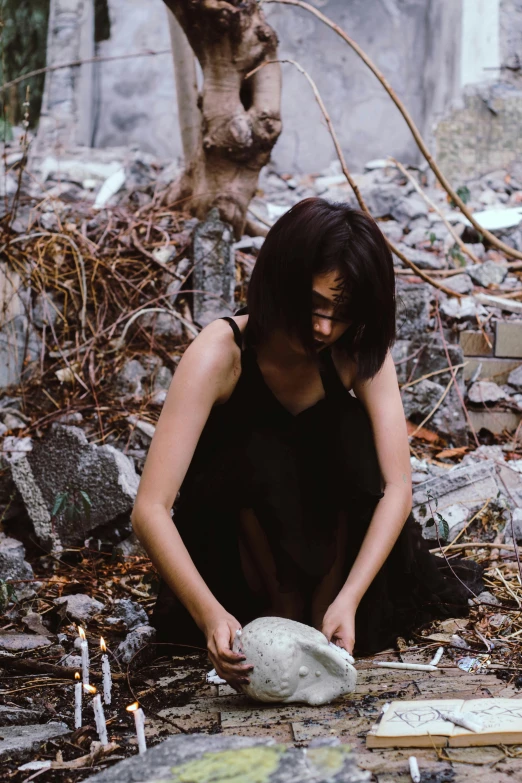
(339, 623)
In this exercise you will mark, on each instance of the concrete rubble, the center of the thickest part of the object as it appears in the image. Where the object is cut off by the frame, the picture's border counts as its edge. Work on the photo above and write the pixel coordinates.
(189, 757)
(80, 607)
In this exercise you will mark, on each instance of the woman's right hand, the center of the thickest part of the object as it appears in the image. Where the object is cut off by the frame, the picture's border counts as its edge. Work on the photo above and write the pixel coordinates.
(220, 632)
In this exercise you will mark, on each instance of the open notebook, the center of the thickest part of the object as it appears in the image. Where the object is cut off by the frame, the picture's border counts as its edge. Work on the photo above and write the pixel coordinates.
(418, 724)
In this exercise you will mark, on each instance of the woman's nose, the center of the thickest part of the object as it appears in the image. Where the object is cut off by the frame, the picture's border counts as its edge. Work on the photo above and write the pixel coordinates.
(322, 326)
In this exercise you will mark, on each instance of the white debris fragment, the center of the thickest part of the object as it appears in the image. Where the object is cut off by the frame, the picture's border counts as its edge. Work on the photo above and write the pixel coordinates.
(496, 219)
(436, 658)
(109, 188)
(461, 720)
(213, 678)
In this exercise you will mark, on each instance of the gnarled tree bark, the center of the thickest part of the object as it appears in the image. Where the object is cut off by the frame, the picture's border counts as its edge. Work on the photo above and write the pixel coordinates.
(240, 118)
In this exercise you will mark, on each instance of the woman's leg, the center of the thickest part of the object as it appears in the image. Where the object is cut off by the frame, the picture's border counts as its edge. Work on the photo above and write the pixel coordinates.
(330, 585)
(260, 570)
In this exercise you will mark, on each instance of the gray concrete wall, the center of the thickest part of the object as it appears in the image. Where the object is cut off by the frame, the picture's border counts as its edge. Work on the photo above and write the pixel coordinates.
(438, 55)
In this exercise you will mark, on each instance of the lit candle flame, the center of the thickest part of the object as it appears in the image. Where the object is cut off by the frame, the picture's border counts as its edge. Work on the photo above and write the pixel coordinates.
(89, 688)
(132, 707)
(76, 675)
(81, 632)
(102, 644)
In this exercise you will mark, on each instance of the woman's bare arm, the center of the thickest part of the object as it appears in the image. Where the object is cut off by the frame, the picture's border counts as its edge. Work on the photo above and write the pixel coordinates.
(382, 400)
(205, 375)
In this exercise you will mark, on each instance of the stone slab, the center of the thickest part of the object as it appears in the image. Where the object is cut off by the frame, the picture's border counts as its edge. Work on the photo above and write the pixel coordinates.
(15, 642)
(217, 758)
(495, 421)
(13, 738)
(474, 344)
(492, 369)
(508, 342)
(18, 716)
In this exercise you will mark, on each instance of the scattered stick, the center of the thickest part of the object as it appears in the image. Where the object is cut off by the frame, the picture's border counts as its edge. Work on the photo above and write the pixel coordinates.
(33, 666)
(465, 248)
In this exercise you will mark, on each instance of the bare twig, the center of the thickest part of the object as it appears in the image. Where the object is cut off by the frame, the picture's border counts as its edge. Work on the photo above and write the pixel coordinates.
(350, 179)
(492, 239)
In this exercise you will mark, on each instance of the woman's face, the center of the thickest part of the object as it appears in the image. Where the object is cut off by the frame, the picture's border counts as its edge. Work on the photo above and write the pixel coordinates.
(330, 308)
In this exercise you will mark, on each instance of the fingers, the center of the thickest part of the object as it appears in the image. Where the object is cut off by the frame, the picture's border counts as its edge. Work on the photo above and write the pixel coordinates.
(229, 665)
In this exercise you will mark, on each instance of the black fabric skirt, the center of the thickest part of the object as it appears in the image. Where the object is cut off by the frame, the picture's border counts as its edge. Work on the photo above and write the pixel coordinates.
(297, 473)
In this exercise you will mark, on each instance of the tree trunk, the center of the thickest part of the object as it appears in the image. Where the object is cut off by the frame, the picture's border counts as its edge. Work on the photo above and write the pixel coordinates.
(186, 87)
(240, 119)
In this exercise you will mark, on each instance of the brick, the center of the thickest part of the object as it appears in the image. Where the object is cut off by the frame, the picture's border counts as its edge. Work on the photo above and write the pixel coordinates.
(509, 339)
(475, 344)
(492, 369)
(495, 421)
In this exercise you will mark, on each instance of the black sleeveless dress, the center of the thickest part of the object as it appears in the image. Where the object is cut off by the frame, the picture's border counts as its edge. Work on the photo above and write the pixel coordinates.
(297, 472)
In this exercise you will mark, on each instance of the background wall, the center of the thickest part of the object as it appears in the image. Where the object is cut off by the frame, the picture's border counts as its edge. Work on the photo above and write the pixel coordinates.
(446, 59)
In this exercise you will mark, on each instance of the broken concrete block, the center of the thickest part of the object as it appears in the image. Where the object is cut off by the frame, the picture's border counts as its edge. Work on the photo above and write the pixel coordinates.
(17, 716)
(492, 369)
(515, 378)
(17, 738)
(508, 340)
(214, 274)
(413, 309)
(17, 642)
(467, 485)
(65, 461)
(495, 421)
(488, 273)
(475, 344)
(461, 284)
(138, 638)
(81, 607)
(12, 560)
(129, 613)
(483, 392)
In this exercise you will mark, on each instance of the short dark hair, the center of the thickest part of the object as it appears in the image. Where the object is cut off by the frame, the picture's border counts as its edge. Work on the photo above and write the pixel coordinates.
(316, 236)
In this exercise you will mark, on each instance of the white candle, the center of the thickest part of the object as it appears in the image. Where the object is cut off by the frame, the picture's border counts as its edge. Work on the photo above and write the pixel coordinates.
(106, 671)
(414, 769)
(84, 648)
(416, 667)
(77, 702)
(139, 722)
(436, 658)
(99, 717)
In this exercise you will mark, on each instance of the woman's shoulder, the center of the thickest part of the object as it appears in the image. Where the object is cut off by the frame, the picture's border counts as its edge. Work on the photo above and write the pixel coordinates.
(218, 339)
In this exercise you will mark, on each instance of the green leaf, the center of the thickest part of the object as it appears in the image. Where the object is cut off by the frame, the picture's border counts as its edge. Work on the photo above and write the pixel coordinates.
(86, 503)
(422, 511)
(430, 522)
(59, 501)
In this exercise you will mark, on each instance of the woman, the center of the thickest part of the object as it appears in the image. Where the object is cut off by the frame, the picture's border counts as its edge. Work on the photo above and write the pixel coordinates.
(284, 431)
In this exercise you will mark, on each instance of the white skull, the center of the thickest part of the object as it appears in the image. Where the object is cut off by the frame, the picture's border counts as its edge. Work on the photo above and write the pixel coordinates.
(293, 662)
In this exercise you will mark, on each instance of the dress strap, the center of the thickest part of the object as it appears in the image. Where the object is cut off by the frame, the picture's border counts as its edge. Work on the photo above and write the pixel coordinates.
(235, 329)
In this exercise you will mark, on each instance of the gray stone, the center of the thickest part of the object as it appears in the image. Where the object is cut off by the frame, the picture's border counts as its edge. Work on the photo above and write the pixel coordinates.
(214, 269)
(465, 309)
(392, 230)
(423, 259)
(163, 379)
(72, 661)
(413, 309)
(230, 757)
(46, 308)
(466, 485)
(418, 236)
(134, 641)
(409, 208)
(33, 621)
(488, 273)
(515, 378)
(382, 199)
(12, 563)
(129, 613)
(28, 738)
(461, 284)
(17, 642)
(17, 716)
(80, 607)
(129, 380)
(130, 547)
(13, 422)
(65, 458)
(485, 391)
(420, 399)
